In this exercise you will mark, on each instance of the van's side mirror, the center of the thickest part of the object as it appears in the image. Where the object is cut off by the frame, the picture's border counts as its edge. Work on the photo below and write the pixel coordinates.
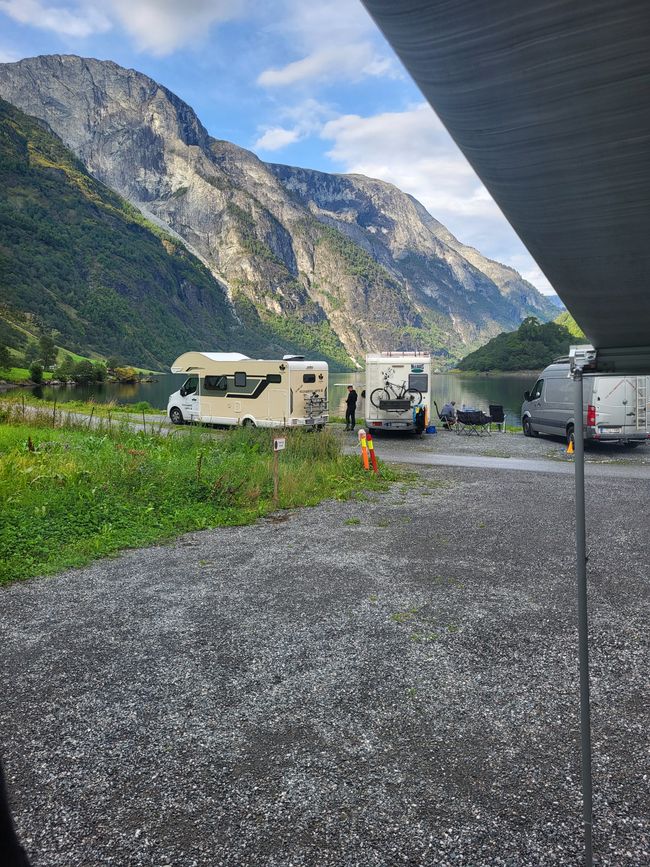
(526, 395)
(183, 392)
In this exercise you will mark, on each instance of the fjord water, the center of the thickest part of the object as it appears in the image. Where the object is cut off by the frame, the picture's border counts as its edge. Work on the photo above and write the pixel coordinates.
(473, 391)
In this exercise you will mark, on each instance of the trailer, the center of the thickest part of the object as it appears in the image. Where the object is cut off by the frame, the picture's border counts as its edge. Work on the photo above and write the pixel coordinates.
(228, 388)
(397, 390)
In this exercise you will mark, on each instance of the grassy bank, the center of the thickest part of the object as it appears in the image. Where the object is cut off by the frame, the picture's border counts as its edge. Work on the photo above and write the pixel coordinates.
(62, 408)
(69, 495)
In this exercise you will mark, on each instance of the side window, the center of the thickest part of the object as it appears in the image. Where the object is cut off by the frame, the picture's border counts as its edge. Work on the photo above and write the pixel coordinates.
(190, 385)
(273, 377)
(309, 377)
(215, 383)
(240, 379)
(536, 393)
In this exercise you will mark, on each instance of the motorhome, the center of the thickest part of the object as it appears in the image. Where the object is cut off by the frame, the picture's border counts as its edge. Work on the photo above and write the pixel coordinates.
(397, 388)
(615, 407)
(228, 388)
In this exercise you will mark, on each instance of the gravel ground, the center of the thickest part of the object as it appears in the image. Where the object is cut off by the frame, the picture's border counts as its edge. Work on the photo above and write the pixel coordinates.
(502, 445)
(380, 682)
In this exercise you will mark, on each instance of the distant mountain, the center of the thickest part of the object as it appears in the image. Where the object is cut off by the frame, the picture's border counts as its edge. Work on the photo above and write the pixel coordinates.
(531, 347)
(335, 264)
(78, 259)
(555, 299)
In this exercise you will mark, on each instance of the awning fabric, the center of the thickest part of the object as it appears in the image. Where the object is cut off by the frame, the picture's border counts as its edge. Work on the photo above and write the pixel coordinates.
(549, 100)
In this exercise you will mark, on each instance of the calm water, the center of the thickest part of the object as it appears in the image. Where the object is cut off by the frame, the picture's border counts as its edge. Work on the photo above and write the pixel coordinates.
(473, 391)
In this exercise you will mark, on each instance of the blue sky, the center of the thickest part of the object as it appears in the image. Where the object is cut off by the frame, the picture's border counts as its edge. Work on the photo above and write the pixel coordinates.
(308, 84)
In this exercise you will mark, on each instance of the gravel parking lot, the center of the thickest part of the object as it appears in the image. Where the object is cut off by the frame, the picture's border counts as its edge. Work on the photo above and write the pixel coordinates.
(380, 682)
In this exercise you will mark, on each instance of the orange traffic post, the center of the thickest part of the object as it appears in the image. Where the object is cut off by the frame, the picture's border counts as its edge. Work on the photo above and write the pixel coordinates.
(371, 452)
(364, 448)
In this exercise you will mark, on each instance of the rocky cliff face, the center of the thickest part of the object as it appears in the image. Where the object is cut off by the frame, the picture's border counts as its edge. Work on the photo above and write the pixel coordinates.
(342, 261)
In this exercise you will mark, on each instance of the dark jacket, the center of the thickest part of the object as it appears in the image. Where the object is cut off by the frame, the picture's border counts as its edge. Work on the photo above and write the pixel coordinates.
(351, 399)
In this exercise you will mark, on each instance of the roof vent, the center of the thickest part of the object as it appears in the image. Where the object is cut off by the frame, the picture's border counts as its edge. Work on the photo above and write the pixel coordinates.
(293, 358)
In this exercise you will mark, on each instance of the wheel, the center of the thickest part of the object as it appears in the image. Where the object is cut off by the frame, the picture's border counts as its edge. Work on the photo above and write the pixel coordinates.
(414, 396)
(176, 415)
(570, 438)
(248, 422)
(529, 431)
(378, 395)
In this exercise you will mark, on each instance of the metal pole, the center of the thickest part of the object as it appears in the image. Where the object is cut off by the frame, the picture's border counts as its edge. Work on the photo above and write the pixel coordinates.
(583, 633)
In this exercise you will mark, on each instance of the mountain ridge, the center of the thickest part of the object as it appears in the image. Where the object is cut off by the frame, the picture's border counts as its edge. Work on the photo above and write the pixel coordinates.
(372, 270)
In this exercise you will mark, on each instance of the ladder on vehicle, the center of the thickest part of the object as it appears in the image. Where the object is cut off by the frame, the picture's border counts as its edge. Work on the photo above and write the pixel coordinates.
(642, 403)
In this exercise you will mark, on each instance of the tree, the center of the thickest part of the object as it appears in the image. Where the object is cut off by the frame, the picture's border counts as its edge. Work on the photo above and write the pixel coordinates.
(47, 350)
(32, 352)
(5, 357)
(83, 371)
(65, 370)
(112, 362)
(36, 372)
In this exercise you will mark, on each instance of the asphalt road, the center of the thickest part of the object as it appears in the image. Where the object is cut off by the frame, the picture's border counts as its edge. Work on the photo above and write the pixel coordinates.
(381, 682)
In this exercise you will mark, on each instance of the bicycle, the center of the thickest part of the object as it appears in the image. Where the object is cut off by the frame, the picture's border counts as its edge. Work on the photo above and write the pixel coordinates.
(392, 391)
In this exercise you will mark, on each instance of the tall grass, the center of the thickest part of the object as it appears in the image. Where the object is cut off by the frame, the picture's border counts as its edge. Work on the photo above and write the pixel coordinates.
(69, 494)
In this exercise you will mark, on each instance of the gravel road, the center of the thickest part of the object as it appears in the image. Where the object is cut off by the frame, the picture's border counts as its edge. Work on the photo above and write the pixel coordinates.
(381, 682)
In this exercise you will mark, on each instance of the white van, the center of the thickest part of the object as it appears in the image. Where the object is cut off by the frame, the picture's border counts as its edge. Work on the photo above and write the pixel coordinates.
(397, 383)
(615, 407)
(228, 388)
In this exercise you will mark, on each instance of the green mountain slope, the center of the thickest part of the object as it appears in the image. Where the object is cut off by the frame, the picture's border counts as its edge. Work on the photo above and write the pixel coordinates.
(79, 260)
(531, 347)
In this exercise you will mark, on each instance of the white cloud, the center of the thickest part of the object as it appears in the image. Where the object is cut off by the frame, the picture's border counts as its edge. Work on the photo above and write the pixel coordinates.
(79, 20)
(337, 40)
(275, 138)
(412, 150)
(161, 26)
(304, 119)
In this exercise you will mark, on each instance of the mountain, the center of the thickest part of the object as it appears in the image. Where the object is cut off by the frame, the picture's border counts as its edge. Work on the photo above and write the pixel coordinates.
(77, 259)
(531, 347)
(336, 263)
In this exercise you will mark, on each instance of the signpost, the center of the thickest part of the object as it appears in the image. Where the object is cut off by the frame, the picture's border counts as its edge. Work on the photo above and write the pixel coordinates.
(279, 443)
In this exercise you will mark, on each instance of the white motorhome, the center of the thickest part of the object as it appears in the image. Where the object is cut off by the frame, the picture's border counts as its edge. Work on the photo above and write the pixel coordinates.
(228, 388)
(396, 384)
(615, 407)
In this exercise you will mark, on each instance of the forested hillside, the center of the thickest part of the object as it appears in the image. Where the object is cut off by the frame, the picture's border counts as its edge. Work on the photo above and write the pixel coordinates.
(78, 260)
(532, 346)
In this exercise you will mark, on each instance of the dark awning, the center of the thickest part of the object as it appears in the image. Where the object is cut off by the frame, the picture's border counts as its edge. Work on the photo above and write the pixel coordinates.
(549, 100)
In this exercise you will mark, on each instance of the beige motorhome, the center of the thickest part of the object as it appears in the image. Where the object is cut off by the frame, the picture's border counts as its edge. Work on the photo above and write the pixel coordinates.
(228, 388)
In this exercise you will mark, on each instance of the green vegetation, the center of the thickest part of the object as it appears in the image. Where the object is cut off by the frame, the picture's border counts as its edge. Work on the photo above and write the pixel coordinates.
(567, 321)
(69, 495)
(531, 347)
(81, 261)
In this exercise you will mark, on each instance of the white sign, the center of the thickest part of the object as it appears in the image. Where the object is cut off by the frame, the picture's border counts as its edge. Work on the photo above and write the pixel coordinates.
(279, 444)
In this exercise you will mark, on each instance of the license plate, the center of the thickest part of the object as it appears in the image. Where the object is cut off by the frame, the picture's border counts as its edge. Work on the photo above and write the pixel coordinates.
(611, 430)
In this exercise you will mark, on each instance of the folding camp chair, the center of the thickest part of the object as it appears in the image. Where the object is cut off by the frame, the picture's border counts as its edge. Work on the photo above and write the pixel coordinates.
(445, 421)
(497, 417)
(472, 421)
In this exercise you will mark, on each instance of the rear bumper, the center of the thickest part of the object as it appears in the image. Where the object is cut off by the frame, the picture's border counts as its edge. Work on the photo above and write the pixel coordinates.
(385, 424)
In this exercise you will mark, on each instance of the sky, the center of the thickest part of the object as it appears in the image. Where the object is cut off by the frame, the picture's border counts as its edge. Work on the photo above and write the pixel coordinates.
(305, 84)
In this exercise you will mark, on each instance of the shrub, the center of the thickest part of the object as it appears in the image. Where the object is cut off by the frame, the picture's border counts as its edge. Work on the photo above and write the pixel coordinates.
(36, 372)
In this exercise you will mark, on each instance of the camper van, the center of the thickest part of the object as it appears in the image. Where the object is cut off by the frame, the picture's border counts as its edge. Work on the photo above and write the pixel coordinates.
(615, 407)
(228, 388)
(397, 389)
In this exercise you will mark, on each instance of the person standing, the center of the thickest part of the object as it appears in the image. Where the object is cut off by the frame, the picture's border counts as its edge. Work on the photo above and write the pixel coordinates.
(350, 408)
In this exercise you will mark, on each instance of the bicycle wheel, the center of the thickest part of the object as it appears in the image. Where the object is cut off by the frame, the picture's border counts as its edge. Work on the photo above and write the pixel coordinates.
(414, 396)
(378, 395)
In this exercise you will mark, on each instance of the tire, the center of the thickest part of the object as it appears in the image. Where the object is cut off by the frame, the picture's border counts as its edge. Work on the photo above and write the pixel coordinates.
(248, 422)
(528, 428)
(569, 435)
(378, 395)
(176, 416)
(414, 396)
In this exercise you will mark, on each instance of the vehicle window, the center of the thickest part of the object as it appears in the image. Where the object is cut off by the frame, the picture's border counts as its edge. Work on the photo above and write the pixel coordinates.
(309, 377)
(273, 377)
(558, 391)
(191, 384)
(419, 381)
(240, 379)
(215, 383)
(537, 390)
